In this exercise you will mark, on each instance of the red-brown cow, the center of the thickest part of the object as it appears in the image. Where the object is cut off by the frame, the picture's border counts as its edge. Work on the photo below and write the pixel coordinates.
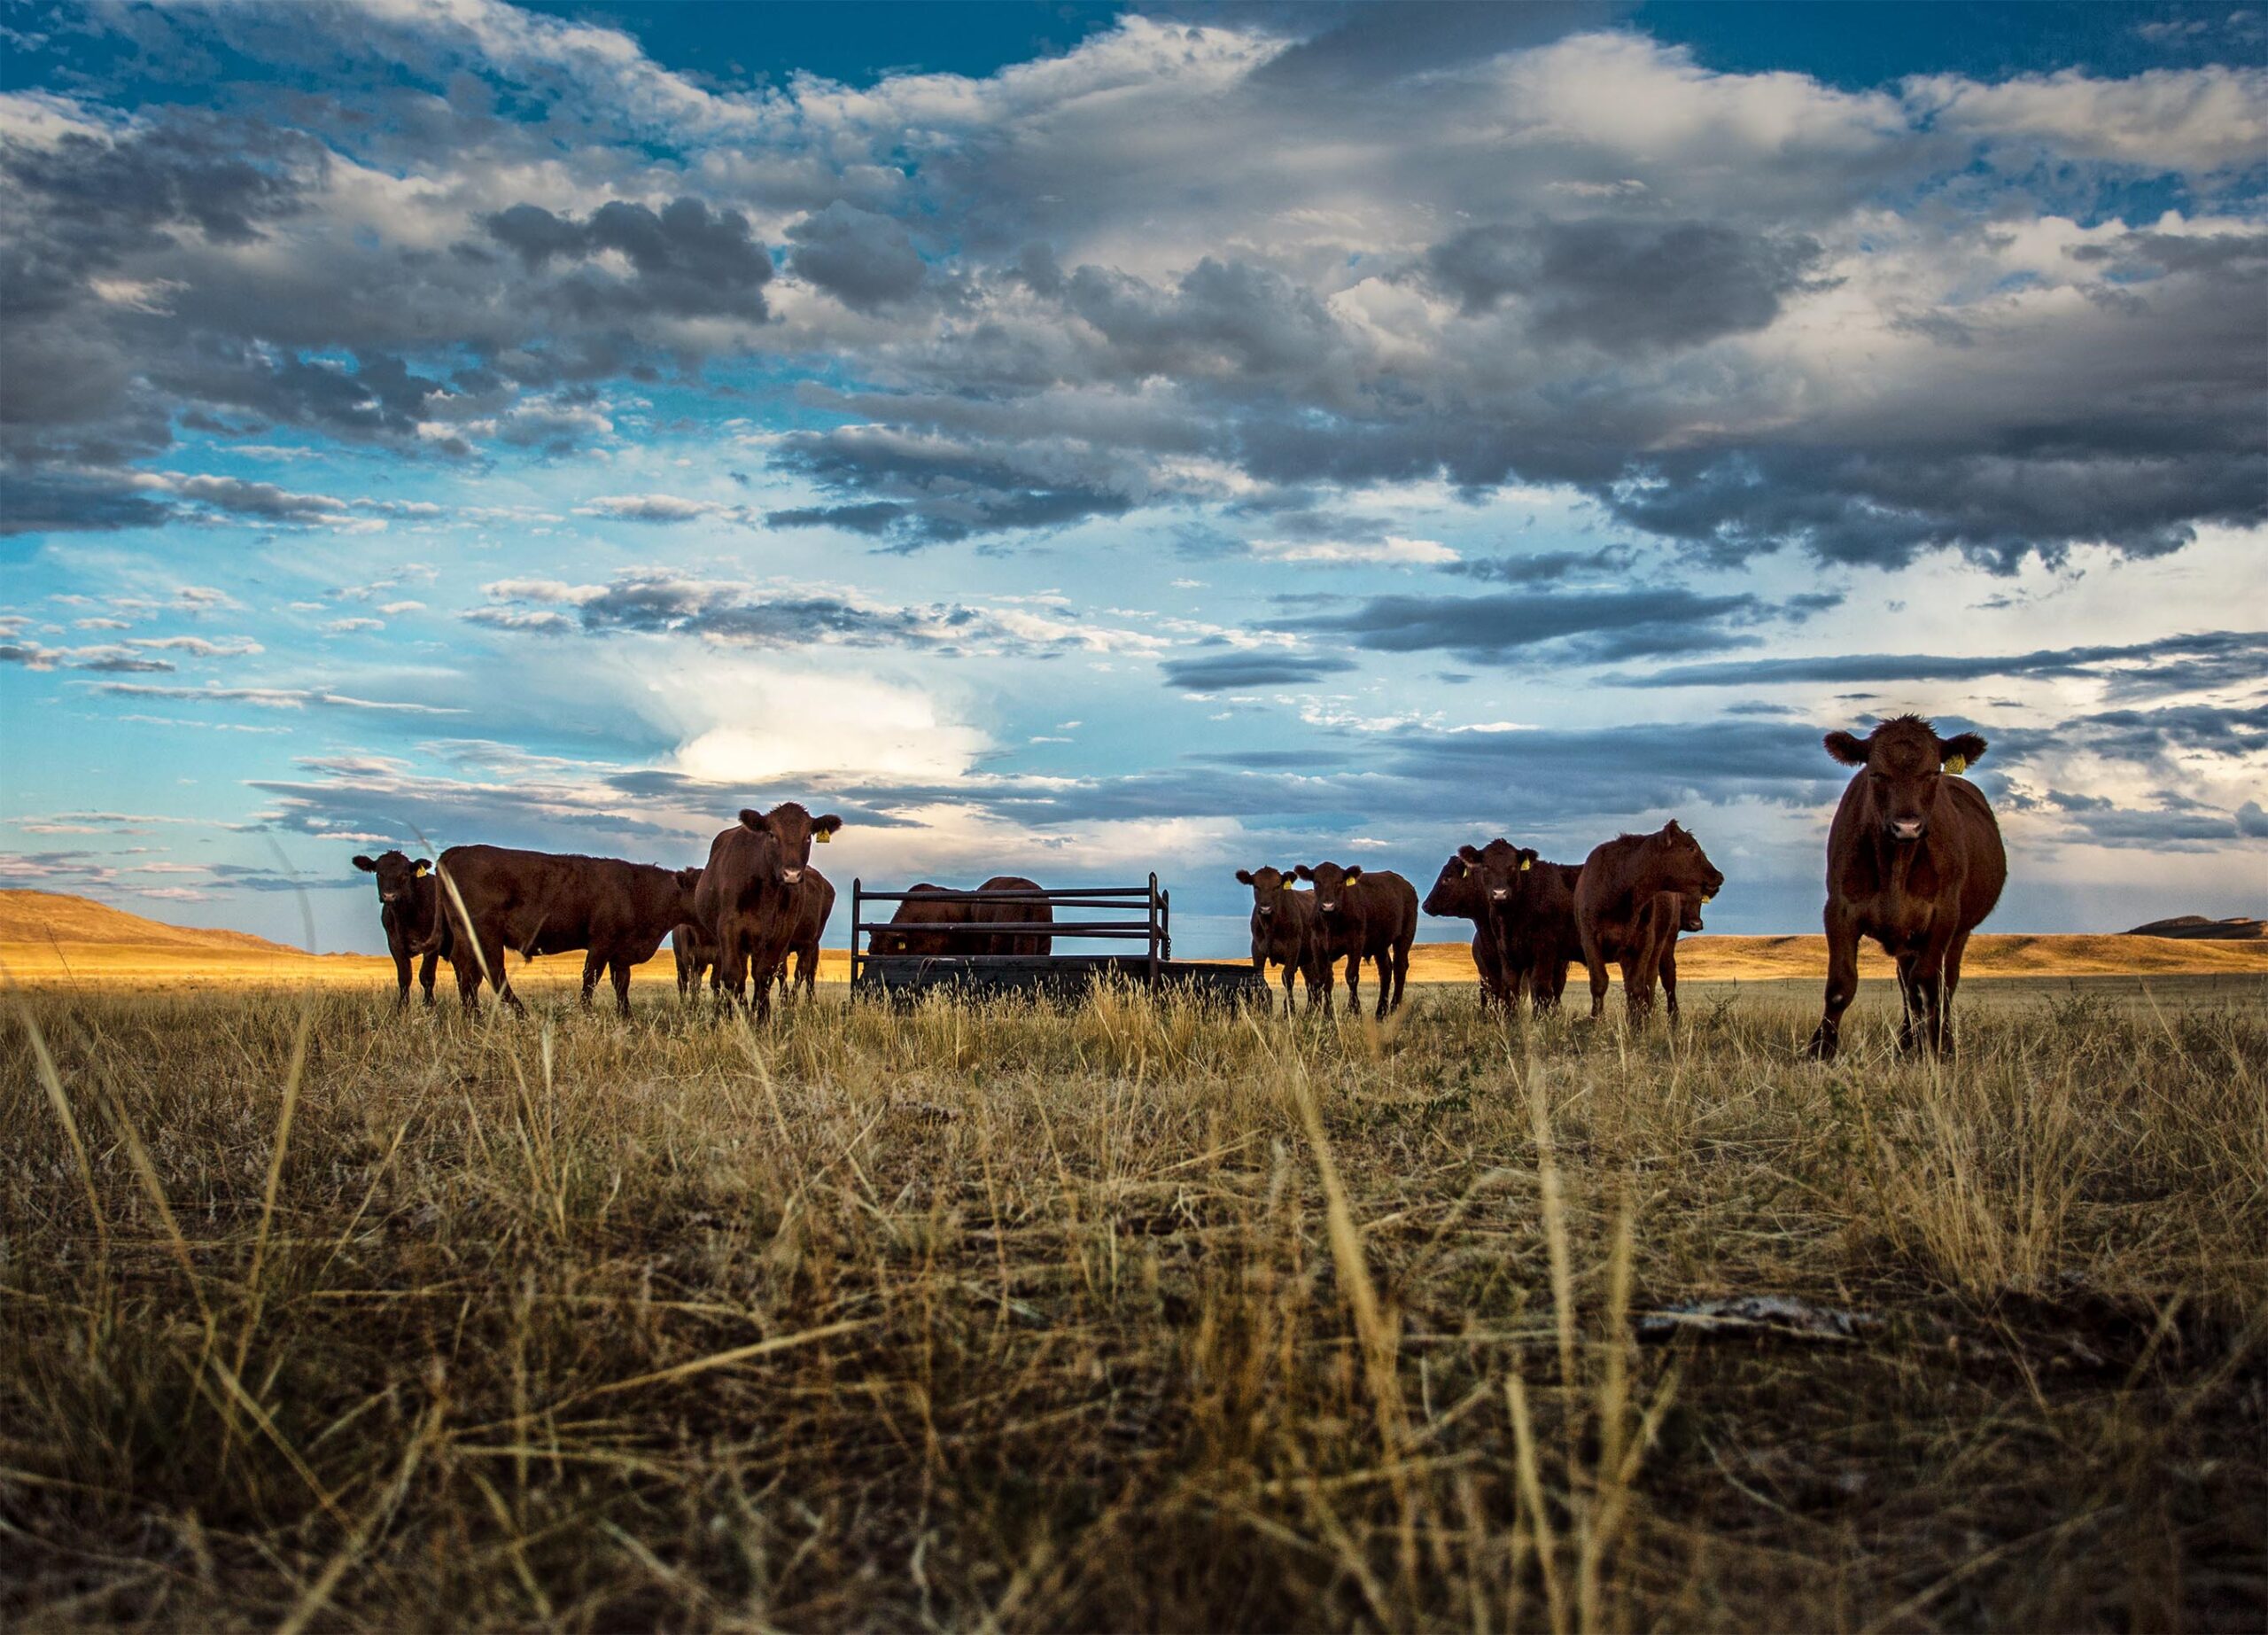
(748, 903)
(814, 903)
(1457, 895)
(408, 908)
(1364, 916)
(696, 955)
(496, 898)
(917, 911)
(1635, 893)
(1286, 931)
(1914, 860)
(1532, 912)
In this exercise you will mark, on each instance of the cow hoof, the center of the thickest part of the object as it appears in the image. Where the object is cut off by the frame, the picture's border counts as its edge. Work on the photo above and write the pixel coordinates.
(1822, 1046)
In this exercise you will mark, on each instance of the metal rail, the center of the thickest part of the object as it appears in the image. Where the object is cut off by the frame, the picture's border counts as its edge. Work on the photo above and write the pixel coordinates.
(1155, 929)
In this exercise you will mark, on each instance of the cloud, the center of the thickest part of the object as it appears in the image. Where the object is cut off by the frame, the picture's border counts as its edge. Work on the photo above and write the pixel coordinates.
(1392, 550)
(663, 508)
(864, 261)
(2171, 664)
(1505, 626)
(1235, 672)
(686, 261)
(274, 698)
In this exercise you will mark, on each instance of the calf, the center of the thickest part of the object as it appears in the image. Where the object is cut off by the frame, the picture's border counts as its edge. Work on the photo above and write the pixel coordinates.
(1914, 860)
(1284, 931)
(814, 902)
(1364, 916)
(1634, 896)
(1531, 907)
(749, 904)
(917, 911)
(1457, 895)
(695, 954)
(408, 908)
(542, 902)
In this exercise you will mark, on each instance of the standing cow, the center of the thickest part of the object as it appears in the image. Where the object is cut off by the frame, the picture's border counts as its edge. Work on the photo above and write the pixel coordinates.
(1531, 906)
(1457, 895)
(906, 937)
(1286, 932)
(1635, 893)
(814, 902)
(408, 908)
(696, 955)
(532, 903)
(1364, 916)
(1914, 860)
(748, 903)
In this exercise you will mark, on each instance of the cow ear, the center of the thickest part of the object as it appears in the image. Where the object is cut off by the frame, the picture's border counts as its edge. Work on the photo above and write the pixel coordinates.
(1850, 751)
(1304, 872)
(688, 877)
(1244, 876)
(1527, 857)
(1355, 873)
(1960, 752)
(823, 828)
(1469, 853)
(423, 867)
(366, 865)
(752, 818)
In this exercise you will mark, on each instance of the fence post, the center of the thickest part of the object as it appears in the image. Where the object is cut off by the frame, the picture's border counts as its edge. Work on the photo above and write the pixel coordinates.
(856, 892)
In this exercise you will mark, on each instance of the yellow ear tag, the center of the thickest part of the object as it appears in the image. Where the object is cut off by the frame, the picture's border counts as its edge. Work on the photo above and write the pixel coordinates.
(422, 870)
(1957, 764)
(823, 836)
(1707, 900)
(1525, 865)
(1468, 868)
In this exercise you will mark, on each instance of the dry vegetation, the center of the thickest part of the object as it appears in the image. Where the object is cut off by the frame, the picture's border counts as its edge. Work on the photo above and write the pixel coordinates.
(1126, 1318)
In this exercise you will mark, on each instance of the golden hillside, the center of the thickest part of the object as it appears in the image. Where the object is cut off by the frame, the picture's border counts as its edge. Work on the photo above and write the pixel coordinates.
(44, 917)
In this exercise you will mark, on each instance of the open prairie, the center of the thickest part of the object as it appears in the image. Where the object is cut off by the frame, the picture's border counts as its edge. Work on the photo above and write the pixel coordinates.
(1134, 1316)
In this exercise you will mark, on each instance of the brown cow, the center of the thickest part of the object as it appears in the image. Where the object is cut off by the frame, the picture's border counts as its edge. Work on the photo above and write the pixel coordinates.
(1532, 911)
(1364, 916)
(1284, 931)
(1635, 893)
(695, 954)
(408, 907)
(918, 911)
(748, 902)
(1456, 896)
(544, 902)
(1914, 860)
(814, 903)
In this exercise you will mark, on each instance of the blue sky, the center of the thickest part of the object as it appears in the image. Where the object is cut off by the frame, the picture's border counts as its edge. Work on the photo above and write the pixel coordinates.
(1083, 440)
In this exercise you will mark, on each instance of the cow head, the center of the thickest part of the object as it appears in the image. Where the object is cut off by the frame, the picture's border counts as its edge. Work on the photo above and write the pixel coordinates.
(1265, 883)
(791, 829)
(1904, 758)
(398, 874)
(1684, 867)
(688, 882)
(1496, 869)
(1330, 884)
(1457, 890)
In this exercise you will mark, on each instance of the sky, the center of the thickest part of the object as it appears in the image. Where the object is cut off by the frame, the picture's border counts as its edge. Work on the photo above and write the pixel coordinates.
(1078, 440)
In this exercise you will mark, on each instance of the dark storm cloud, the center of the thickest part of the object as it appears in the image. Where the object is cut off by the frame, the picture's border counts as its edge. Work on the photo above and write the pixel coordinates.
(686, 261)
(1229, 672)
(864, 261)
(1590, 626)
(1626, 285)
(59, 503)
(943, 491)
(1544, 567)
(2173, 664)
(1220, 316)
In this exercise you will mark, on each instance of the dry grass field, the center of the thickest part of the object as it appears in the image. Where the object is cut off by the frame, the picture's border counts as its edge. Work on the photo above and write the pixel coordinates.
(319, 1316)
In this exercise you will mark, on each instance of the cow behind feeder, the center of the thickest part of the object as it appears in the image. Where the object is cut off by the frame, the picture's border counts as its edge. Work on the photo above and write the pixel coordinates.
(907, 937)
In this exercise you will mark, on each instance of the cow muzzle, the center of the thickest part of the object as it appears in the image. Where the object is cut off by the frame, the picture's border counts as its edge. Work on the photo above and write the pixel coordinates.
(1499, 893)
(1327, 908)
(1266, 914)
(1905, 831)
(791, 876)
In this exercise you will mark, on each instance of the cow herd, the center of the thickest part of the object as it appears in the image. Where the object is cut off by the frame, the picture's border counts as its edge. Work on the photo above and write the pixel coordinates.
(1915, 860)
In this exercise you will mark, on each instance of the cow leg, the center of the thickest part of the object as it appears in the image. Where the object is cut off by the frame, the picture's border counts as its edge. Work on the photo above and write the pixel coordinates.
(593, 964)
(1669, 978)
(807, 971)
(1594, 966)
(463, 961)
(1909, 998)
(1637, 989)
(425, 976)
(619, 969)
(1842, 982)
(1954, 950)
(1353, 983)
(1385, 983)
(502, 978)
(401, 977)
(1400, 972)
